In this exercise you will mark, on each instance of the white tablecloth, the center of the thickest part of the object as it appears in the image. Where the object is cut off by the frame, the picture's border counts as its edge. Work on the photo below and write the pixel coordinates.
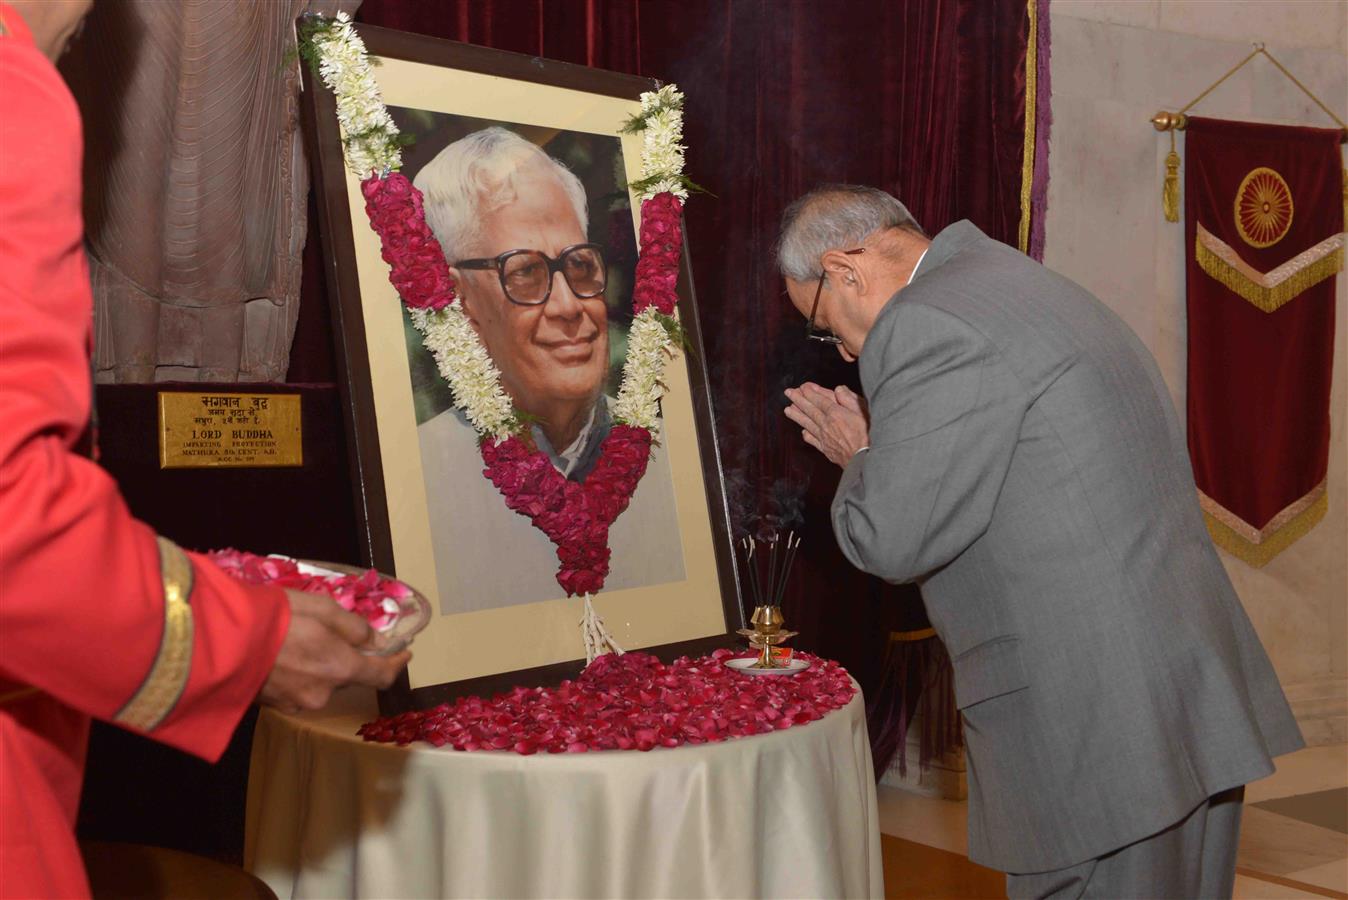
(788, 814)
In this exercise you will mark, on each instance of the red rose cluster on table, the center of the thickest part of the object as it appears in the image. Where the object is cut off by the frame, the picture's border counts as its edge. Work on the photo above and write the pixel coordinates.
(628, 702)
(576, 517)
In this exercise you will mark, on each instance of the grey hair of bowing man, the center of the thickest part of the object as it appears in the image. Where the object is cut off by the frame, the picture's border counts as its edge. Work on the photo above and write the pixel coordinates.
(833, 216)
(845, 252)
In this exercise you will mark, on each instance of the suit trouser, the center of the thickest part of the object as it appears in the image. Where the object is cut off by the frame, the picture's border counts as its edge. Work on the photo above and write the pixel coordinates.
(1195, 857)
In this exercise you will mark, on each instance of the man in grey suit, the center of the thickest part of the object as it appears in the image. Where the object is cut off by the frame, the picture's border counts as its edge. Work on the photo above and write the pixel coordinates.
(1021, 460)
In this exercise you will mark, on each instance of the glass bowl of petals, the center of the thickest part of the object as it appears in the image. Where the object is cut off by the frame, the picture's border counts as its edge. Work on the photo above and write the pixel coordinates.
(395, 610)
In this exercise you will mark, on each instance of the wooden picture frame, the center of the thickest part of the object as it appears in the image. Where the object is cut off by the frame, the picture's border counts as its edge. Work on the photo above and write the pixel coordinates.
(533, 641)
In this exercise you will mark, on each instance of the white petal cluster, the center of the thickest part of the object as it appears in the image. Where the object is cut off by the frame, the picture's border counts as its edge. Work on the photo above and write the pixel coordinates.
(466, 366)
(638, 401)
(661, 142)
(345, 68)
(669, 95)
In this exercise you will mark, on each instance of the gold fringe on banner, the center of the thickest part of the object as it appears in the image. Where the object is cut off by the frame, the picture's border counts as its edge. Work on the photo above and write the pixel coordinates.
(1170, 187)
(1259, 535)
(1258, 547)
(1268, 290)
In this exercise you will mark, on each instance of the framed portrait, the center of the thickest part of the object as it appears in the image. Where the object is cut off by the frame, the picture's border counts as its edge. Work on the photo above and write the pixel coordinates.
(523, 168)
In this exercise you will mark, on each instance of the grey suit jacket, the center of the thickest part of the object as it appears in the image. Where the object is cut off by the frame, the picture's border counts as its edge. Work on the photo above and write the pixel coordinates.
(1028, 469)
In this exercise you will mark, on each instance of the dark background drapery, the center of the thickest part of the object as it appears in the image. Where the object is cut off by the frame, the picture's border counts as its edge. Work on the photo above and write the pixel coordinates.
(923, 98)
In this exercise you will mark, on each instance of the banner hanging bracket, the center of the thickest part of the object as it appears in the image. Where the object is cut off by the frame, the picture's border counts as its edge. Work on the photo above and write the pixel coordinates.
(1178, 121)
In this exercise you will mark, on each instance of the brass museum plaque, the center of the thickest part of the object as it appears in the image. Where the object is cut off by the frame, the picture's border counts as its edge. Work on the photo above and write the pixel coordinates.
(216, 430)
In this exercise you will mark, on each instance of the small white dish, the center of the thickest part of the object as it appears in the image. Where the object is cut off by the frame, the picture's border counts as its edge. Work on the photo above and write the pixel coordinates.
(745, 666)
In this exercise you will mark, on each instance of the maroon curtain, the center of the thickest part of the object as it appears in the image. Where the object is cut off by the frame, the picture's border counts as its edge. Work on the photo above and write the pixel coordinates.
(924, 98)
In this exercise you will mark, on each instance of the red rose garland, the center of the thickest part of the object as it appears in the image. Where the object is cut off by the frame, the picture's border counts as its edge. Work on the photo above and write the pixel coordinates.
(575, 516)
(628, 702)
(661, 245)
(417, 265)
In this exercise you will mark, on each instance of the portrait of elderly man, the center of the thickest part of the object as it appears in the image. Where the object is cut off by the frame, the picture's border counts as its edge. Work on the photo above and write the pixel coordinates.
(495, 193)
(514, 227)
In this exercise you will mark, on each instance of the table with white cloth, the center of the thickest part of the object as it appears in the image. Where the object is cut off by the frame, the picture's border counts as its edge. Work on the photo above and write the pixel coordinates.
(787, 814)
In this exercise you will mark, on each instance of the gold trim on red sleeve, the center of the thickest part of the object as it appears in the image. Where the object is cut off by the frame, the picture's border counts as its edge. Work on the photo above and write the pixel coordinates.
(167, 678)
(16, 695)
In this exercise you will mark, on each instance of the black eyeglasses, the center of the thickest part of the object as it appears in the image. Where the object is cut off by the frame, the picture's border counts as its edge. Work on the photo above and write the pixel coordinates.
(526, 275)
(813, 333)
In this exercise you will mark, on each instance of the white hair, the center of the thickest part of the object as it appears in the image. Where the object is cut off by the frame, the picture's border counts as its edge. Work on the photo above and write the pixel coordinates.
(834, 217)
(478, 174)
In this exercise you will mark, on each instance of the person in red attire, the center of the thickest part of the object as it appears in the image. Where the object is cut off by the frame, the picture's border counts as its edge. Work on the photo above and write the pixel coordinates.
(99, 617)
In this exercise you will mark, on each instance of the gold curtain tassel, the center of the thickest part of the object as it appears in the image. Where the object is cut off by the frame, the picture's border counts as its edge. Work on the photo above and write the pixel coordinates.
(1170, 188)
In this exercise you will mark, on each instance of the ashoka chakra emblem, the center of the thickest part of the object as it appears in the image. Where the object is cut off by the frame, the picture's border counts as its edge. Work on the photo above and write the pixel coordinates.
(1263, 208)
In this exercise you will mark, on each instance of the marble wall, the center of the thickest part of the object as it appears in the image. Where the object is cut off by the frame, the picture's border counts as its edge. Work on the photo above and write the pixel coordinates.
(1114, 64)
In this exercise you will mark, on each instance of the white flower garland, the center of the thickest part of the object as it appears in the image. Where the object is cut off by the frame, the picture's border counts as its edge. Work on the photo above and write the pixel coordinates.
(369, 136)
(371, 146)
(661, 147)
(648, 344)
(465, 364)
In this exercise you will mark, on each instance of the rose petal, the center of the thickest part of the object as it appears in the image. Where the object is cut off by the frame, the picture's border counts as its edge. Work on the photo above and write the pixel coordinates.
(369, 594)
(627, 702)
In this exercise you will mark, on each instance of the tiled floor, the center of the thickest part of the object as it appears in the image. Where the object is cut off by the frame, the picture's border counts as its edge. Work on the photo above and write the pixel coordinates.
(1293, 841)
(1294, 824)
(1327, 809)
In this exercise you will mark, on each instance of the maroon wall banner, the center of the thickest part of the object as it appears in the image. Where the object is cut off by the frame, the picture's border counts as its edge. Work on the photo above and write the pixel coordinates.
(1264, 219)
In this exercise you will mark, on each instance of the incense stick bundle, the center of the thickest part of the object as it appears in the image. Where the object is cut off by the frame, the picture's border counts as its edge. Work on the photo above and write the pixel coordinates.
(768, 588)
(772, 569)
(749, 545)
(789, 558)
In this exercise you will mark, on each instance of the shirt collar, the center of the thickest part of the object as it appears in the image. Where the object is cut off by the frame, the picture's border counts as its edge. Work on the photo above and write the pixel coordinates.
(571, 455)
(916, 264)
(579, 457)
